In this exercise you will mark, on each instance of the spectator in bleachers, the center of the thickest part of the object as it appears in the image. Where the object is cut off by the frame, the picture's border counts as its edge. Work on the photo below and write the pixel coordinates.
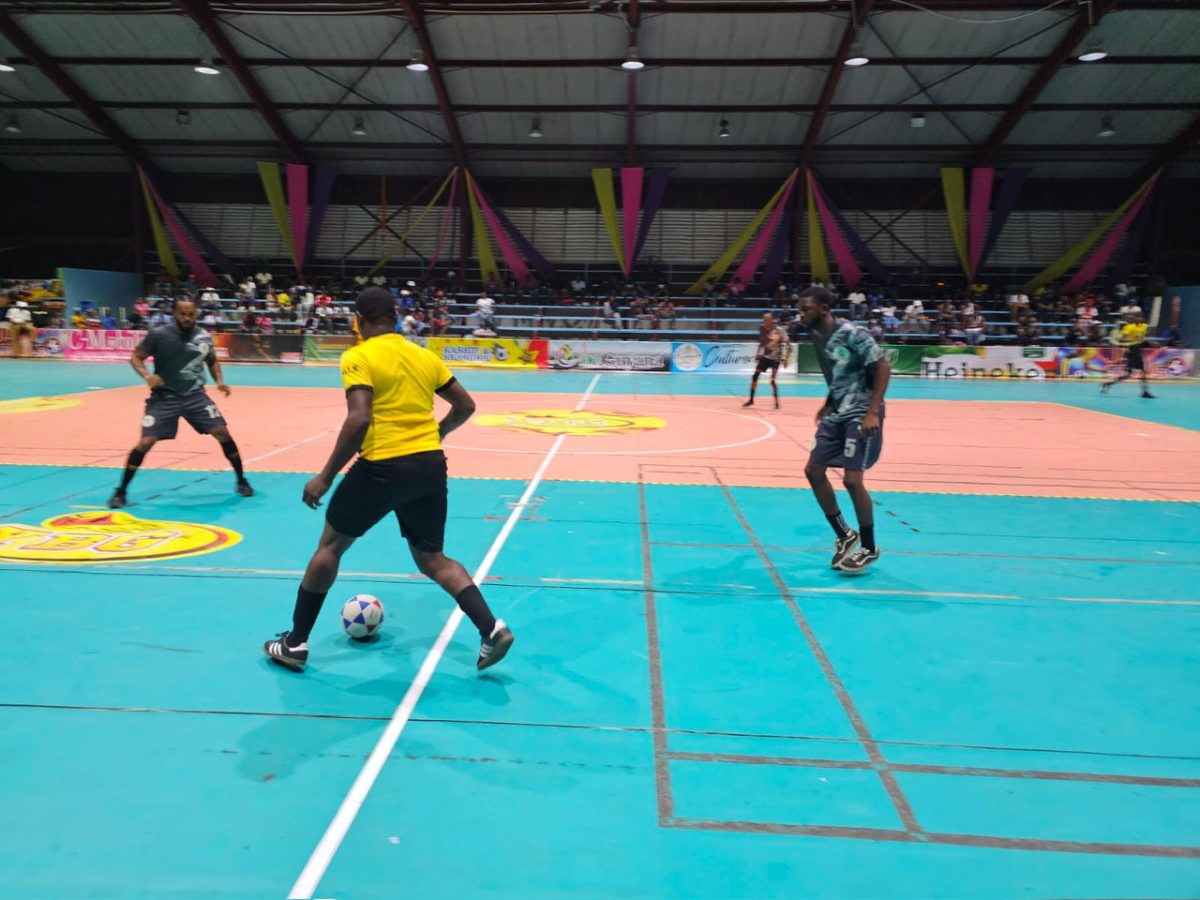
(915, 320)
(439, 318)
(610, 313)
(666, 313)
(485, 311)
(1086, 311)
(976, 328)
(247, 288)
(858, 305)
(887, 313)
(1129, 306)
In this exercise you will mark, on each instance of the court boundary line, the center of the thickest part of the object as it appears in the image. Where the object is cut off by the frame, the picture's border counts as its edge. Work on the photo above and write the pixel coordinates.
(322, 855)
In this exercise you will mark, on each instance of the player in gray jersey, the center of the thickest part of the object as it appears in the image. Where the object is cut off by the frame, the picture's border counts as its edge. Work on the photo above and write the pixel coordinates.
(849, 424)
(181, 350)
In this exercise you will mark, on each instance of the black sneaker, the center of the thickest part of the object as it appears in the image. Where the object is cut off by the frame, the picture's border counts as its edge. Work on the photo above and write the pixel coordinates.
(749, 402)
(244, 489)
(293, 658)
(492, 649)
(842, 548)
(1146, 395)
(1104, 387)
(117, 500)
(859, 561)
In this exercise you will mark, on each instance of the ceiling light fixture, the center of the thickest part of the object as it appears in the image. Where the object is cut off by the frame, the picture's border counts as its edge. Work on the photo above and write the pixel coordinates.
(723, 128)
(917, 120)
(1106, 128)
(206, 67)
(416, 62)
(857, 57)
(12, 126)
(535, 129)
(632, 61)
(183, 117)
(5, 66)
(1094, 53)
(359, 129)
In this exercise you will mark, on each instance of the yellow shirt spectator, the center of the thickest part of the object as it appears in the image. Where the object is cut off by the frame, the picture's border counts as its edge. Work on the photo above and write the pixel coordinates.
(404, 378)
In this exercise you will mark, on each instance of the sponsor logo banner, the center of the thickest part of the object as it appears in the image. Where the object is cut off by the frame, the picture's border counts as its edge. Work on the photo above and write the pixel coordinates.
(710, 358)
(327, 348)
(108, 536)
(568, 421)
(261, 348)
(610, 356)
(489, 352)
(43, 343)
(97, 345)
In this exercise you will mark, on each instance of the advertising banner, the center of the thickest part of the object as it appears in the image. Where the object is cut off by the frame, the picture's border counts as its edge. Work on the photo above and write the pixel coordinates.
(611, 356)
(42, 343)
(700, 358)
(491, 352)
(96, 345)
(327, 348)
(260, 348)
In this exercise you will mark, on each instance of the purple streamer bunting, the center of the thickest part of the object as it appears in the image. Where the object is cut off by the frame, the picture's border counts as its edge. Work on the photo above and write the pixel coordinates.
(322, 191)
(527, 249)
(1123, 263)
(774, 267)
(1004, 201)
(877, 269)
(652, 200)
(209, 248)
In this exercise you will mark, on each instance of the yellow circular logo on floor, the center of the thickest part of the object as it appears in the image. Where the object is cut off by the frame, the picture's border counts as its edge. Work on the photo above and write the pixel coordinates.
(569, 421)
(104, 537)
(37, 404)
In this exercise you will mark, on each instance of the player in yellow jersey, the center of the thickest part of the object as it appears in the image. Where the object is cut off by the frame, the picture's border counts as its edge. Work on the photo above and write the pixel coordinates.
(1131, 334)
(390, 384)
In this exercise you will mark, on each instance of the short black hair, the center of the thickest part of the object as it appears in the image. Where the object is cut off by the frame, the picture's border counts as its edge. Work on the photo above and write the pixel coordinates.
(376, 305)
(823, 296)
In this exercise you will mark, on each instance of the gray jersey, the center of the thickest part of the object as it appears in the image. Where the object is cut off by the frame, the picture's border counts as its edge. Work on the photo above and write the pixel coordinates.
(178, 359)
(844, 360)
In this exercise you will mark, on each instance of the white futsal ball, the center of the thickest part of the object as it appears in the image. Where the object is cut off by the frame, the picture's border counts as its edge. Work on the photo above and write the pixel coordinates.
(362, 615)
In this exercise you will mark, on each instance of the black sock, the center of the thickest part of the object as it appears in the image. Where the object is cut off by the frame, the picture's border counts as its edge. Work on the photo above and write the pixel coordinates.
(131, 466)
(753, 388)
(840, 528)
(775, 391)
(235, 458)
(471, 601)
(866, 534)
(308, 607)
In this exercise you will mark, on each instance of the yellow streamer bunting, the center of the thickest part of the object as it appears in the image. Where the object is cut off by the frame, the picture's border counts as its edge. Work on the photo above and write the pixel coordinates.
(602, 179)
(273, 186)
(483, 249)
(955, 191)
(1059, 267)
(399, 245)
(717, 269)
(165, 256)
(818, 261)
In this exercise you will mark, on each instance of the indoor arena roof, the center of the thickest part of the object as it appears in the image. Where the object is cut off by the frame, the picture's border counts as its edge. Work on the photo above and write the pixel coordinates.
(948, 82)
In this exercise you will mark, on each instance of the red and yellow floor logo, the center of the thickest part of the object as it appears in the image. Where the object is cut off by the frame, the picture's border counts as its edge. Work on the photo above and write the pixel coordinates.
(36, 404)
(102, 536)
(569, 421)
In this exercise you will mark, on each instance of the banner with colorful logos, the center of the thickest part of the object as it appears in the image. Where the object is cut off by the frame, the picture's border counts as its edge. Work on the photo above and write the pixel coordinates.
(704, 358)
(611, 356)
(327, 348)
(509, 353)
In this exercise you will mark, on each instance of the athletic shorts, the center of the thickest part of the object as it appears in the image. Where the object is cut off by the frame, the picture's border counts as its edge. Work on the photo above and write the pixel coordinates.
(764, 364)
(840, 445)
(413, 487)
(1134, 360)
(163, 409)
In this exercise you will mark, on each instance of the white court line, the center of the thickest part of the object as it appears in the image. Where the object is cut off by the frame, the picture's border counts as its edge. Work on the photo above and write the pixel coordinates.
(866, 592)
(300, 443)
(323, 854)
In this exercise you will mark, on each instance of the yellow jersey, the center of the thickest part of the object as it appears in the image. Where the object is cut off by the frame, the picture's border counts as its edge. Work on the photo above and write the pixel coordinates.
(1132, 334)
(403, 377)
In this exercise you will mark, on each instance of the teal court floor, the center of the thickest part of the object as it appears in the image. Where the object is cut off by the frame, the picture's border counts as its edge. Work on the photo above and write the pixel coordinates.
(1007, 706)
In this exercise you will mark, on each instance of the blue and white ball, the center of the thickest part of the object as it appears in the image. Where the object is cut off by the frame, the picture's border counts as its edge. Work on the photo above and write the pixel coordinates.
(362, 615)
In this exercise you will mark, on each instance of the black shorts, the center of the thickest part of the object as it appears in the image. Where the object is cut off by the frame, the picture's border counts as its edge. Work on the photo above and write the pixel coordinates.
(764, 364)
(161, 419)
(413, 487)
(1134, 360)
(840, 445)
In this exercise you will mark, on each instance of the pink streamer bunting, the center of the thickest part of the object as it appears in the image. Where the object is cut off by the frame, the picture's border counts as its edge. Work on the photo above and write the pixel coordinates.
(1099, 259)
(745, 272)
(507, 250)
(204, 276)
(851, 273)
(437, 253)
(297, 195)
(631, 205)
(981, 200)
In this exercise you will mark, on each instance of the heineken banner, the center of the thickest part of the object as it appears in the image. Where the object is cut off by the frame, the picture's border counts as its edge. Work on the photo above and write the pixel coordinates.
(1010, 362)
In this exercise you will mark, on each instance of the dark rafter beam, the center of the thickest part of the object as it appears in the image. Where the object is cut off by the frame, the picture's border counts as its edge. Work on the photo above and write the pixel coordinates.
(749, 62)
(416, 18)
(1049, 68)
(858, 15)
(631, 111)
(203, 16)
(77, 96)
(589, 108)
(1187, 140)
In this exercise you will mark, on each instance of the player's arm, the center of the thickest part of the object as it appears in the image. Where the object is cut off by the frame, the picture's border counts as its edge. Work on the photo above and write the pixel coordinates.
(881, 374)
(214, 369)
(354, 429)
(137, 359)
(462, 406)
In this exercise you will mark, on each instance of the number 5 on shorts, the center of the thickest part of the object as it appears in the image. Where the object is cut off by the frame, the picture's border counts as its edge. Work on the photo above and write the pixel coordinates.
(850, 447)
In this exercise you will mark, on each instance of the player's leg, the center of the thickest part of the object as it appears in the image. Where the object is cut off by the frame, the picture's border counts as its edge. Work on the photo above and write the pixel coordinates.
(1145, 379)
(860, 454)
(827, 449)
(160, 422)
(132, 463)
(422, 518)
(204, 416)
(774, 384)
(753, 385)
